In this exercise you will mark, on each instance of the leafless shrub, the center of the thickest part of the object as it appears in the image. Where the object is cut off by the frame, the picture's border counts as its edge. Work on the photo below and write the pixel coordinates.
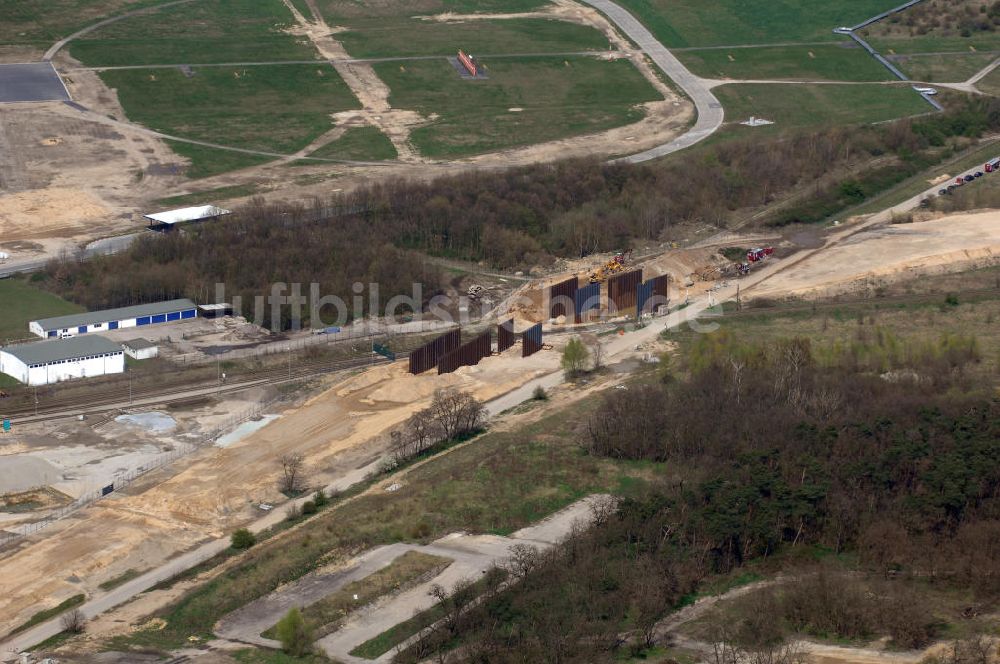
(292, 478)
(73, 621)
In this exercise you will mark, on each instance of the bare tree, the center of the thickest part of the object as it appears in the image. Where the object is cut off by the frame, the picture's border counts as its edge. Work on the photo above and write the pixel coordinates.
(74, 621)
(456, 413)
(292, 479)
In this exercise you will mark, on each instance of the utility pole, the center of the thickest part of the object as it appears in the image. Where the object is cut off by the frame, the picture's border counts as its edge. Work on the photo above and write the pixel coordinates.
(739, 305)
(129, 385)
(218, 366)
(36, 401)
(289, 361)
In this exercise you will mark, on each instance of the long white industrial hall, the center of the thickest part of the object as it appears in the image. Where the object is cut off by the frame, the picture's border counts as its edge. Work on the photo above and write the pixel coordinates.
(46, 362)
(113, 319)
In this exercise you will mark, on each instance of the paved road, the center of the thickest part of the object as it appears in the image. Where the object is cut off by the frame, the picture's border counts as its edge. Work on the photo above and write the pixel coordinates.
(710, 113)
(697, 314)
(55, 48)
(102, 247)
(470, 556)
(398, 58)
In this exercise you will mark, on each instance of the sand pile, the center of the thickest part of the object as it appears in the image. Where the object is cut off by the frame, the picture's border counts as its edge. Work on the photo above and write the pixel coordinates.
(48, 212)
(946, 244)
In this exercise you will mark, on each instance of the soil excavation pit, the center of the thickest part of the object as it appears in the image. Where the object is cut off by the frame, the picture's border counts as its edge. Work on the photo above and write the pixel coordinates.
(35, 81)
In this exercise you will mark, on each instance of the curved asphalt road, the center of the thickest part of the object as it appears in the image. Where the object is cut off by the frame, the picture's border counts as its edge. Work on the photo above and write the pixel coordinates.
(710, 113)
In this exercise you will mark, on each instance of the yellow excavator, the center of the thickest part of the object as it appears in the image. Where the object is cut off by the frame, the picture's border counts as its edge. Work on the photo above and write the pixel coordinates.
(612, 267)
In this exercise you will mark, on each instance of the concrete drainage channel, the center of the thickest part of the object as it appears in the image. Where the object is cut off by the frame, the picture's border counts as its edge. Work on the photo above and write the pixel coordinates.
(851, 32)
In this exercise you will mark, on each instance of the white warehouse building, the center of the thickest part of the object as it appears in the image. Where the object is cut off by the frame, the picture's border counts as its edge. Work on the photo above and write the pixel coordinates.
(113, 319)
(48, 362)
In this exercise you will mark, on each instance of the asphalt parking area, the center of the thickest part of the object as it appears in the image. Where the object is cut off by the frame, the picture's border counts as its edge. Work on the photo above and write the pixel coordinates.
(33, 81)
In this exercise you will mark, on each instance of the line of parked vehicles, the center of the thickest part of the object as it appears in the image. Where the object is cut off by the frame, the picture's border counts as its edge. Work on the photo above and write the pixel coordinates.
(991, 166)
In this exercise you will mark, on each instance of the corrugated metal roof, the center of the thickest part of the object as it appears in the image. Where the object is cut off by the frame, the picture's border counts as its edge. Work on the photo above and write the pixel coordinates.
(122, 313)
(181, 215)
(44, 352)
(139, 344)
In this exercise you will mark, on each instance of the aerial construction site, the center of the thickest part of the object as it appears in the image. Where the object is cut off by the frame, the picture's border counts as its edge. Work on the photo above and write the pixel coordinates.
(491, 331)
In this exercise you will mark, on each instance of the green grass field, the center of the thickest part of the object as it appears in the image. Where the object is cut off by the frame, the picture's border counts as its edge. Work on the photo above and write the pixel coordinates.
(43, 23)
(346, 9)
(197, 33)
(932, 44)
(208, 196)
(795, 105)
(246, 108)
(206, 162)
(373, 38)
(559, 97)
(732, 22)
(22, 303)
(990, 84)
(945, 68)
(834, 62)
(357, 143)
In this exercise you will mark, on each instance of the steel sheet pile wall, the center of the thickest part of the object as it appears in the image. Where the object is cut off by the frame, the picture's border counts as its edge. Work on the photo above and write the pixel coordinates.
(505, 336)
(468, 354)
(586, 299)
(531, 340)
(428, 355)
(561, 297)
(652, 293)
(622, 291)
(661, 290)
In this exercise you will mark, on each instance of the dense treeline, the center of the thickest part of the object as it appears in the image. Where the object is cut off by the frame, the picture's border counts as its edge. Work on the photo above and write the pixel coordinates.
(260, 246)
(519, 217)
(888, 454)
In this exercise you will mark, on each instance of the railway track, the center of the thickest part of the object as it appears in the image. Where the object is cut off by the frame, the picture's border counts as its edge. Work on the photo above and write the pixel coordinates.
(119, 396)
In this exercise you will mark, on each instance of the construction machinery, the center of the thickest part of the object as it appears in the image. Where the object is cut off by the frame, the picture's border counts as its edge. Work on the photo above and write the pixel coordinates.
(612, 267)
(758, 254)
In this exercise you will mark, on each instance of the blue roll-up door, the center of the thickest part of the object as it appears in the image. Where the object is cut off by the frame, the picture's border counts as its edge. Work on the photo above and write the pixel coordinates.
(142, 321)
(159, 318)
(52, 333)
(82, 329)
(190, 313)
(113, 325)
(176, 315)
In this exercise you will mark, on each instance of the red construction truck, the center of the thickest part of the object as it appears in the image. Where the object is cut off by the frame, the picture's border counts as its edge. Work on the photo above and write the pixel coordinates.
(758, 254)
(992, 165)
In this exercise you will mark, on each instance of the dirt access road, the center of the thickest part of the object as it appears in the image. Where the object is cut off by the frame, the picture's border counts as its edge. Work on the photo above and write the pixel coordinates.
(342, 433)
(372, 388)
(79, 188)
(471, 556)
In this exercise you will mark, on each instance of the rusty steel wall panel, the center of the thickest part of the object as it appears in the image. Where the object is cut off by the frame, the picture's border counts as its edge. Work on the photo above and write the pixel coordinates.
(468, 354)
(622, 291)
(531, 340)
(505, 336)
(560, 297)
(427, 356)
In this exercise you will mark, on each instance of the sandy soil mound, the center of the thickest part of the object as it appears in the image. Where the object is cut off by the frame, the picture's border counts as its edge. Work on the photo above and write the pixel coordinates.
(888, 253)
(47, 212)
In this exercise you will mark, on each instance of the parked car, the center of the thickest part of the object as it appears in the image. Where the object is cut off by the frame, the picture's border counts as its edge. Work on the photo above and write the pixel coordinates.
(942, 192)
(978, 174)
(969, 178)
